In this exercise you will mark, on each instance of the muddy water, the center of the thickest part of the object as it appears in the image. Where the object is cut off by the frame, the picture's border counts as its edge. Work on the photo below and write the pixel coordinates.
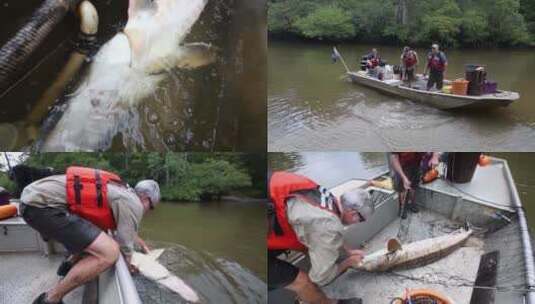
(332, 168)
(218, 248)
(312, 107)
(219, 107)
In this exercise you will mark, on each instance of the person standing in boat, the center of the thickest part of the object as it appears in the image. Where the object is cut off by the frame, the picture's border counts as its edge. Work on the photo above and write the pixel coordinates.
(407, 169)
(373, 61)
(76, 209)
(302, 216)
(409, 63)
(436, 65)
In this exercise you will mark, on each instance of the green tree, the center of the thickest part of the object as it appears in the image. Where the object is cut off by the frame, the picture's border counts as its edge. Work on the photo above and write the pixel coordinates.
(326, 22)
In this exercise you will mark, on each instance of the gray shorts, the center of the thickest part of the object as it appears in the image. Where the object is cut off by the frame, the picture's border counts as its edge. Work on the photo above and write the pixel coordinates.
(74, 232)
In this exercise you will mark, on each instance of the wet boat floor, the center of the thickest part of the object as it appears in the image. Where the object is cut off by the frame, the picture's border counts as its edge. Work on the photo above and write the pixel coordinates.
(461, 266)
(23, 276)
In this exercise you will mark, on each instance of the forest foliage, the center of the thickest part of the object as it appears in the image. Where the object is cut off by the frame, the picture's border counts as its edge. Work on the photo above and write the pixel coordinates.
(182, 176)
(452, 23)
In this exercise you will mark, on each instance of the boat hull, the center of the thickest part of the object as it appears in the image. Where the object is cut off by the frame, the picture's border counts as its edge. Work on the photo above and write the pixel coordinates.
(436, 99)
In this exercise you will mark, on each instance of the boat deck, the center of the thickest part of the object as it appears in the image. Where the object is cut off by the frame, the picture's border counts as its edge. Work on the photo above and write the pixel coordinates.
(26, 275)
(456, 268)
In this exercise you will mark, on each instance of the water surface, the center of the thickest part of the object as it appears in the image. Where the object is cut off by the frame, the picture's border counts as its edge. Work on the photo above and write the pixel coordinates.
(311, 106)
(218, 248)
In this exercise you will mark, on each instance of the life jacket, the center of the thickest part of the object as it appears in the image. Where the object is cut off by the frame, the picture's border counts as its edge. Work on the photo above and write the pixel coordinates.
(374, 61)
(436, 61)
(283, 186)
(87, 195)
(409, 59)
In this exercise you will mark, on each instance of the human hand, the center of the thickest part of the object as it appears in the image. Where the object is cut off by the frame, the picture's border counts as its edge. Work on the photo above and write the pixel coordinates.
(407, 183)
(146, 249)
(133, 269)
(355, 260)
(356, 252)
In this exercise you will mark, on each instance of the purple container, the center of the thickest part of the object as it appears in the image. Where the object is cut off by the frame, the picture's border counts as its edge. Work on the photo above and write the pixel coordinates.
(490, 87)
(4, 198)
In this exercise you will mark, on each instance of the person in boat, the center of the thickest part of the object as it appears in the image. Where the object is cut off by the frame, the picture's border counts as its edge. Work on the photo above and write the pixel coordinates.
(76, 209)
(373, 60)
(305, 217)
(436, 65)
(407, 170)
(409, 63)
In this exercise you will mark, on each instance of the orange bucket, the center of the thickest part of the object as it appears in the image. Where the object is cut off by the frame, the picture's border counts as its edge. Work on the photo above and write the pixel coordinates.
(459, 86)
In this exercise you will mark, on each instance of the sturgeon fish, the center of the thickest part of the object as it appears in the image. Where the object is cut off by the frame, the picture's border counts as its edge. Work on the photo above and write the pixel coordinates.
(126, 70)
(150, 268)
(416, 253)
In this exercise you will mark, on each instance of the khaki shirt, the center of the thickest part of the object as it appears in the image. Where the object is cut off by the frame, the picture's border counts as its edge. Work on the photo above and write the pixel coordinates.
(124, 202)
(321, 232)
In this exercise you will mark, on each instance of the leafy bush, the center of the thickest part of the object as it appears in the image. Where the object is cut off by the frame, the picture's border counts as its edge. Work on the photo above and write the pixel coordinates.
(326, 22)
(448, 22)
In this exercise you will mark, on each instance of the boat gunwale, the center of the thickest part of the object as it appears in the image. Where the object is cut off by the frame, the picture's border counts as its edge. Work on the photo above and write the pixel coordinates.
(480, 98)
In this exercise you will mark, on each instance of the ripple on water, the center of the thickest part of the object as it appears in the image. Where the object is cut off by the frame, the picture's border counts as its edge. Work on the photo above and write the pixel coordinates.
(215, 279)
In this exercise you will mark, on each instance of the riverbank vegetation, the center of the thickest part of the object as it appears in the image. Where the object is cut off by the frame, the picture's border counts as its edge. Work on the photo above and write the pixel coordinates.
(453, 23)
(182, 176)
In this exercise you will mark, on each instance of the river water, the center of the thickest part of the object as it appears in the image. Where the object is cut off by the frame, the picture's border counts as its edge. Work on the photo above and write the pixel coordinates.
(190, 110)
(218, 248)
(312, 107)
(332, 168)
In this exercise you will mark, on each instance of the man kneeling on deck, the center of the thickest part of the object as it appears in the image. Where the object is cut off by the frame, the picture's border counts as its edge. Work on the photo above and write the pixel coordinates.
(306, 217)
(407, 169)
(76, 209)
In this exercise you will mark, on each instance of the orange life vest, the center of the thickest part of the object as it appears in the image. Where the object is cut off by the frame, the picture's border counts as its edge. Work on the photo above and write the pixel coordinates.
(87, 195)
(283, 186)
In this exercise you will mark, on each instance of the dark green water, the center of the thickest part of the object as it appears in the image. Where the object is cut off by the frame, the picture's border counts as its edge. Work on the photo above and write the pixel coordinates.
(332, 168)
(218, 248)
(311, 107)
(232, 230)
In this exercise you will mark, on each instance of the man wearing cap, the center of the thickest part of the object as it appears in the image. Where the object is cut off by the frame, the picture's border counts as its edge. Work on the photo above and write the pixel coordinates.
(436, 65)
(57, 207)
(306, 217)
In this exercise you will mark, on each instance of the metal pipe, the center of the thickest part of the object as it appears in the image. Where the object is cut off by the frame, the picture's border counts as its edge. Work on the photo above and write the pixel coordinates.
(128, 291)
(526, 240)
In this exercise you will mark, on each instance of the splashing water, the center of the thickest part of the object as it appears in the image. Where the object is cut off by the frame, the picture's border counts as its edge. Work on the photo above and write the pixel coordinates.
(128, 69)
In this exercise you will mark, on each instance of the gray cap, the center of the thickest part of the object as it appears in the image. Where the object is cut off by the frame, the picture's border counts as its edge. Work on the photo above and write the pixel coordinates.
(150, 188)
(360, 201)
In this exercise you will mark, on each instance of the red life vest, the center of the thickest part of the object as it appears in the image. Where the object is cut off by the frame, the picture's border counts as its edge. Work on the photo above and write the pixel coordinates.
(87, 195)
(374, 62)
(436, 62)
(409, 59)
(282, 186)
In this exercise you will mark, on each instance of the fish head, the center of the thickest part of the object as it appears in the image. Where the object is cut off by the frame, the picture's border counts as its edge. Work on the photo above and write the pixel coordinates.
(156, 29)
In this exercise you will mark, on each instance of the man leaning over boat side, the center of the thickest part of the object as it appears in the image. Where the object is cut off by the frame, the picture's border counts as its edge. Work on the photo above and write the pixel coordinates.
(407, 170)
(76, 209)
(436, 65)
(306, 217)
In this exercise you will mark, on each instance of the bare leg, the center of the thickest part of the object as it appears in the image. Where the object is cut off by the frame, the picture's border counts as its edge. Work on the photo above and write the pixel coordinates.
(102, 254)
(308, 291)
